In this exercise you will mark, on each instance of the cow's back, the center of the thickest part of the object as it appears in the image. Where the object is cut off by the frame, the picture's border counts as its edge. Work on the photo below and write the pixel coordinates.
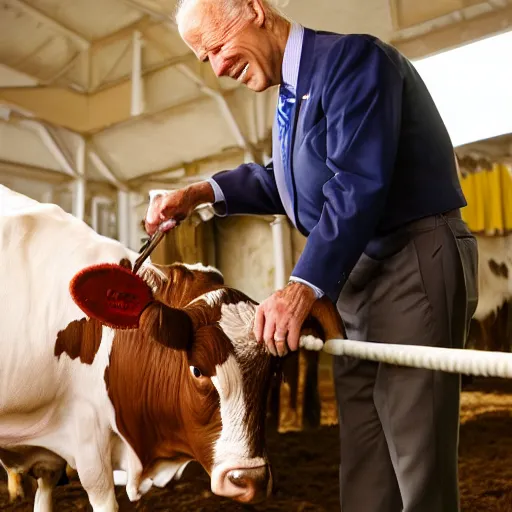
(42, 248)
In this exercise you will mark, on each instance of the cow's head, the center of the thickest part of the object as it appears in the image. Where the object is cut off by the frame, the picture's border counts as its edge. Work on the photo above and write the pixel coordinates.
(203, 379)
(191, 382)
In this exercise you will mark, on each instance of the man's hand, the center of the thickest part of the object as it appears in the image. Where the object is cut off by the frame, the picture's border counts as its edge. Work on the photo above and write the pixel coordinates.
(279, 318)
(177, 205)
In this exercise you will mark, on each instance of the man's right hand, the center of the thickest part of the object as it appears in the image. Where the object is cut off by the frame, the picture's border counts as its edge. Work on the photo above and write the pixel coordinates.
(177, 204)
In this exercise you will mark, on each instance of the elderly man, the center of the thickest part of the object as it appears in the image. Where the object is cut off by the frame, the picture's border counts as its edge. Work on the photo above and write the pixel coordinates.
(364, 168)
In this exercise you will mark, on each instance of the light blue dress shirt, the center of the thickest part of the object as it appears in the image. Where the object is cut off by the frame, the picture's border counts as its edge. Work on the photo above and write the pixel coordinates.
(290, 76)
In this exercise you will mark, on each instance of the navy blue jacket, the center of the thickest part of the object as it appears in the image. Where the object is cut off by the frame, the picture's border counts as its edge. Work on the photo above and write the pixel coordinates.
(369, 154)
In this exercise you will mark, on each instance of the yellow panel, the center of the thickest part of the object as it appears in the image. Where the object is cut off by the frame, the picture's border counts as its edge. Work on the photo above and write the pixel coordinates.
(506, 184)
(489, 198)
(493, 201)
(473, 213)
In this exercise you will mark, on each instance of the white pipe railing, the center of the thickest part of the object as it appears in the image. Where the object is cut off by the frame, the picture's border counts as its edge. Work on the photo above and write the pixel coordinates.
(137, 103)
(96, 202)
(79, 184)
(78, 198)
(465, 361)
(282, 251)
(123, 217)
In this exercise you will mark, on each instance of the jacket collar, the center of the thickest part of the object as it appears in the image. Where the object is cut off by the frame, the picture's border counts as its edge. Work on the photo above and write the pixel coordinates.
(306, 63)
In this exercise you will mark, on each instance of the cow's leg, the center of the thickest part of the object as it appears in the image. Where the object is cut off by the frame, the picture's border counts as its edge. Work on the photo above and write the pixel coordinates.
(46, 481)
(487, 331)
(291, 371)
(93, 461)
(311, 411)
(508, 329)
(15, 485)
(503, 328)
(291, 378)
(273, 404)
(96, 476)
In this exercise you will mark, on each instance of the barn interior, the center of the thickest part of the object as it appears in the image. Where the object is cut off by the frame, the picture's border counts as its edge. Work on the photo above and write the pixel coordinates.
(101, 101)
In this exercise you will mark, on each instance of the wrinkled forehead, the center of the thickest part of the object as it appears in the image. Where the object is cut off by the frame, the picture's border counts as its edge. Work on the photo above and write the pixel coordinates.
(194, 20)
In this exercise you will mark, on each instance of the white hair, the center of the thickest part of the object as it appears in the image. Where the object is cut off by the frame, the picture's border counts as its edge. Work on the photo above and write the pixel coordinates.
(229, 8)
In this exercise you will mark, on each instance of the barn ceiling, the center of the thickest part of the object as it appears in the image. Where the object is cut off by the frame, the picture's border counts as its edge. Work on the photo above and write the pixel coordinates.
(107, 88)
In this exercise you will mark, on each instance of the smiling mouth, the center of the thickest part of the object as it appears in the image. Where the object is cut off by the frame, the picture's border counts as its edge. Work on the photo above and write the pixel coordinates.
(243, 73)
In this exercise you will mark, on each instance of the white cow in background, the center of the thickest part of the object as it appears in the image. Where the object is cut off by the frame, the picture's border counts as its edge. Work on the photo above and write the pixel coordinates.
(494, 274)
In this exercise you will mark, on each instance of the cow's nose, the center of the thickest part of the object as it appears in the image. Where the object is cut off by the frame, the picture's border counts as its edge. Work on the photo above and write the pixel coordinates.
(256, 482)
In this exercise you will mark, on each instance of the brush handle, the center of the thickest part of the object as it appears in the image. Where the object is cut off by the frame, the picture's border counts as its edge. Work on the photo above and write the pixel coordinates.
(153, 242)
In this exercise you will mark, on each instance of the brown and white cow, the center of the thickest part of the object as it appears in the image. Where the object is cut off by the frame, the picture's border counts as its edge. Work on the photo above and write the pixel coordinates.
(188, 384)
(491, 325)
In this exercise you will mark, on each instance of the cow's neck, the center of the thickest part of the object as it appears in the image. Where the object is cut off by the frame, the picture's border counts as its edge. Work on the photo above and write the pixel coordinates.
(143, 384)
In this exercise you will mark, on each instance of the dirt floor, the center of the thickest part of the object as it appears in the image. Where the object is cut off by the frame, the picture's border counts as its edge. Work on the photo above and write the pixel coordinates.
(305, 465)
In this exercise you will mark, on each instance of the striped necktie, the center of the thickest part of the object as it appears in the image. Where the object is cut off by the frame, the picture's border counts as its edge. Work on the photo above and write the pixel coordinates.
(285, 109)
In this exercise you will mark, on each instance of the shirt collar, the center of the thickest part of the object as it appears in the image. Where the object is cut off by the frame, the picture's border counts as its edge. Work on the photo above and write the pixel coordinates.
(291, 58)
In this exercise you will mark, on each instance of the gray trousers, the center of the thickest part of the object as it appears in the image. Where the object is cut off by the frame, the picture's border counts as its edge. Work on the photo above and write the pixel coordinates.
(399, 426)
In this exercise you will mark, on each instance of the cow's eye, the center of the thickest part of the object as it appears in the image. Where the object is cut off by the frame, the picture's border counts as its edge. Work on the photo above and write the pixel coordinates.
(196, 372)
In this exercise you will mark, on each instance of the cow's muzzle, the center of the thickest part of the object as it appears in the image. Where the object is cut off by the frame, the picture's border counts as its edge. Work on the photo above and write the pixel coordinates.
(246, 485)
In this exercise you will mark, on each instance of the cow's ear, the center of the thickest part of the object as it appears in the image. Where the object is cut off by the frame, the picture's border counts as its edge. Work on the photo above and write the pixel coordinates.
(171, 327)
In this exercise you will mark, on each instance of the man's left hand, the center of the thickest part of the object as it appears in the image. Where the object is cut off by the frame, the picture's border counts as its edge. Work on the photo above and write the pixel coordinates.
(279, 318)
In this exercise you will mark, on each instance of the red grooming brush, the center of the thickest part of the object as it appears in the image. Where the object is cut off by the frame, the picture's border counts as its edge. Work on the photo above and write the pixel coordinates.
(113, 294)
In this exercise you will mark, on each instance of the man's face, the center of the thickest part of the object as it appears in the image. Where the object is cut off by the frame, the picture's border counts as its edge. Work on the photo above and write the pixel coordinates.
(238, 48)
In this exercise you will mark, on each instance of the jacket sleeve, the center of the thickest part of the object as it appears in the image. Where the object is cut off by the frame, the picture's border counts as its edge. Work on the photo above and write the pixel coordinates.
(362, 102)
(250, 188)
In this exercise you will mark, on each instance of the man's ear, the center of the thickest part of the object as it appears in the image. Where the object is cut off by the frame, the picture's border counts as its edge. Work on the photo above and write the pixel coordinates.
(171, 327)
(258, 12)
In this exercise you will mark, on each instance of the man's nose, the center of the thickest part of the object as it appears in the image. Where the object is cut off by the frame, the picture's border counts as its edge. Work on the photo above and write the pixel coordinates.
(218, 64)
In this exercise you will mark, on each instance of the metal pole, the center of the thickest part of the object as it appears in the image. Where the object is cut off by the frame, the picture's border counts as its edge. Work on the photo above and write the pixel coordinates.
(137, 82)
(79, 185)
(48, 195)
(123, 218)
(79, 198)
(96, 203)
(136, 232)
